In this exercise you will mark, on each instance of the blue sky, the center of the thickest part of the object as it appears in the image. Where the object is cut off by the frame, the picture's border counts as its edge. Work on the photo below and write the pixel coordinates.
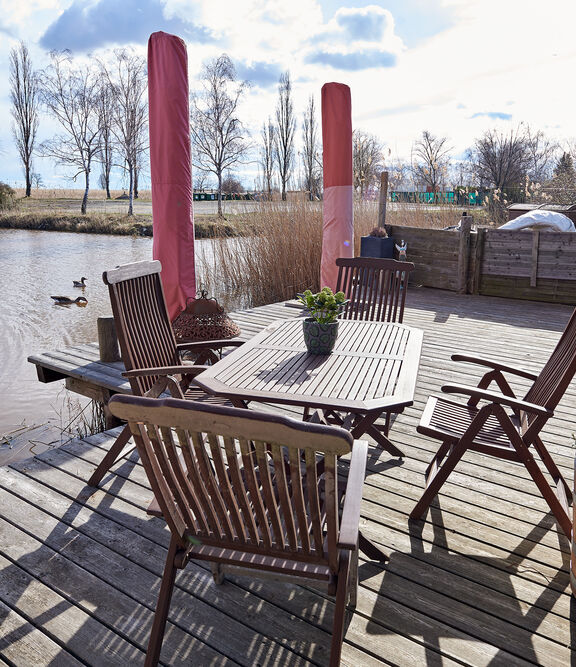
(453, 67)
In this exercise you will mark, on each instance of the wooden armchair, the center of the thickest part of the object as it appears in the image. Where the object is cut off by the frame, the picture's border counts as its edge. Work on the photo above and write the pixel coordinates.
(149, 350)
(499, 424)
(376, 289)
(248, 490)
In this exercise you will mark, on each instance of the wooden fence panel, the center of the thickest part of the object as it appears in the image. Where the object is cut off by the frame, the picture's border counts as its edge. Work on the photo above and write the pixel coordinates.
(516, 264)
(535, 265)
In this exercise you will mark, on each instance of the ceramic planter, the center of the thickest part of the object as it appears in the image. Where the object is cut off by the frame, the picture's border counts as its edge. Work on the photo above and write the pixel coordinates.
(319, 338)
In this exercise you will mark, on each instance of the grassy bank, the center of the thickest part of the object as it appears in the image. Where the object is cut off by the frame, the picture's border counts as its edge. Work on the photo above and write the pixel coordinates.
(113, 223)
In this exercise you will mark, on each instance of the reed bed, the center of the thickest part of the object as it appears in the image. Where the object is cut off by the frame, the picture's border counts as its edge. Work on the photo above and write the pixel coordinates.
(282, 257)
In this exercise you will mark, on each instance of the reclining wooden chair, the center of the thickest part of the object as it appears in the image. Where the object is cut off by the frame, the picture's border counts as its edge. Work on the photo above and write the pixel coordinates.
(376, 288)
(149, 350)
(502, 426)
(242, 489)
(376, 291)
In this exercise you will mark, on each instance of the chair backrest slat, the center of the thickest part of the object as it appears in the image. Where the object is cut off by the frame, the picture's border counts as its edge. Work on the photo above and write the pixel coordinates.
(557, 373)
(248, 481)
(283, 493)
(297, 494)
(142, 322)
(376, 288)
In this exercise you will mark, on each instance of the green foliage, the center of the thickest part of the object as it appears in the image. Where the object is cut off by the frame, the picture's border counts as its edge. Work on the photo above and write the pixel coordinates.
(7, 197)
(324, 306)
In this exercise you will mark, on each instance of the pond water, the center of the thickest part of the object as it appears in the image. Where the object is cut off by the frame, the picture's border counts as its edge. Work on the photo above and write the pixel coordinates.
(33, 266)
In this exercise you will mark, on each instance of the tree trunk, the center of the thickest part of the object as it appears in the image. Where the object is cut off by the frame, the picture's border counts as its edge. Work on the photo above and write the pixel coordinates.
(28, 181)
(220, 196)
(85, 198)
(130, 190)
(283, 190)
(135, 182)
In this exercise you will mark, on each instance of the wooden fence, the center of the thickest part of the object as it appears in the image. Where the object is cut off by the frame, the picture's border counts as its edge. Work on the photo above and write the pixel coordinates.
(540, 266)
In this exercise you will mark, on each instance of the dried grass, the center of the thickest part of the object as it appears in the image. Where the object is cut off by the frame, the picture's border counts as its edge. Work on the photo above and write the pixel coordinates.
(283, 256)
(76, 194)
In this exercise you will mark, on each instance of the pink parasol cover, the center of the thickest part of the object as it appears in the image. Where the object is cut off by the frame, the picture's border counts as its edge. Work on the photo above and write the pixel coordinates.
(170, 168)
(338, 224)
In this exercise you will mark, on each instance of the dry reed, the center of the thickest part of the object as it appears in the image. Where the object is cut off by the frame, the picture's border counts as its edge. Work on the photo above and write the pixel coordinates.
(282, 258)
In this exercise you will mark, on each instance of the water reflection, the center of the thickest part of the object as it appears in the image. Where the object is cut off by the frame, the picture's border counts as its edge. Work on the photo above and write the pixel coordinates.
(33, 266)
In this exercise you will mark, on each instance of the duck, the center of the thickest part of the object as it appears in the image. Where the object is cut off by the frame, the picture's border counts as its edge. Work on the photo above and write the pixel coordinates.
(67, 299)
(79, 283)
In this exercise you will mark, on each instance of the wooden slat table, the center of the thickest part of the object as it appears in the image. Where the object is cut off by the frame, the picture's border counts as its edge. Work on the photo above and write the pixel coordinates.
(371, 371)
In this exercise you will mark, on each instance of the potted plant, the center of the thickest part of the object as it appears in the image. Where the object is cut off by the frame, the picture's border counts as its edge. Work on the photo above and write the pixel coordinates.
(321, 328)
(377, 244)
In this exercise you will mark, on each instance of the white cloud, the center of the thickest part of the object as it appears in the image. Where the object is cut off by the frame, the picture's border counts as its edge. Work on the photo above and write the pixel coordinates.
(497, 57)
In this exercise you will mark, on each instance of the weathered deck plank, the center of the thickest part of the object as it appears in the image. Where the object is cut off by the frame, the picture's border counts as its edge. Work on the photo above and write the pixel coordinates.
(484, 581)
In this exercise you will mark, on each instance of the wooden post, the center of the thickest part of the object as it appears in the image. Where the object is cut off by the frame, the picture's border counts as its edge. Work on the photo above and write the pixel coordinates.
(464, 252)
(478, 256)
(534, 267)
(107, 339)
(383, 199)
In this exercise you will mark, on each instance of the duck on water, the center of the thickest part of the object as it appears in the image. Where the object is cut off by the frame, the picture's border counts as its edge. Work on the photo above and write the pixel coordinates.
(66, 300)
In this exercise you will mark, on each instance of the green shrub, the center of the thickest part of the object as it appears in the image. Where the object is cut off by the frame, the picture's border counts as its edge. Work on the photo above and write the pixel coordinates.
(7, 197)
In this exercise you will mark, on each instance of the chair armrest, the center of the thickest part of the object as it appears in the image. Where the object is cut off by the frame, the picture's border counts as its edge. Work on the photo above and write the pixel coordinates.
(165, 370)
(495, 397)
(350, 521)
(494, 365)
(212, 344)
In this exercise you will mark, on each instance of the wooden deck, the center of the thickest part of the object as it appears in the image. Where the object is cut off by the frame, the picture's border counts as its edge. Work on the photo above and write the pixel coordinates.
(483, 581)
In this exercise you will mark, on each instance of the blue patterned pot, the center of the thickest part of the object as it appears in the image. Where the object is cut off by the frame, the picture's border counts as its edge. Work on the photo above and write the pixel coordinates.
(319, 338)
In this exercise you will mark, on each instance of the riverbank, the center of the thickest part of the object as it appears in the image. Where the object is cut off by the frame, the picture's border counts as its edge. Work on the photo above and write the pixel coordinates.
(205, 226)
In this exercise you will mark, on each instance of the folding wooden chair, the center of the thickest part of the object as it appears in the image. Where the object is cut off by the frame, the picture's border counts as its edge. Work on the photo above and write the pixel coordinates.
(376, 288)
(243, 490)
(501, 425)
(376, 291)
(149, 350)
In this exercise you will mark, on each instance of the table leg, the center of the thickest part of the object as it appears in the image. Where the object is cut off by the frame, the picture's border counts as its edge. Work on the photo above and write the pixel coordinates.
(365, 425)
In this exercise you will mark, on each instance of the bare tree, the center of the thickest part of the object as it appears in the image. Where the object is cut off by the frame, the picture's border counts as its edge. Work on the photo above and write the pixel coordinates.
(285, 130)
(501, 159)
(267, 155)
(430, 161)
(24, 95)
(218, 136)
(71, 96)
(106, 111)
(367, 160)
(199, 180)
(398, 172)
(310, 151)
(127, 82)
(541, 154)
(232, 185)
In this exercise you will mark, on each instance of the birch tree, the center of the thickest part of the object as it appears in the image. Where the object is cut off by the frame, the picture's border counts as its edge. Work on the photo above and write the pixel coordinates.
(285, 130)
(25, 98)
(71, 96)
(267, 134)
(218, 136)
(430, 161)
(127, 81)
(310, 151)
(367, 160)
